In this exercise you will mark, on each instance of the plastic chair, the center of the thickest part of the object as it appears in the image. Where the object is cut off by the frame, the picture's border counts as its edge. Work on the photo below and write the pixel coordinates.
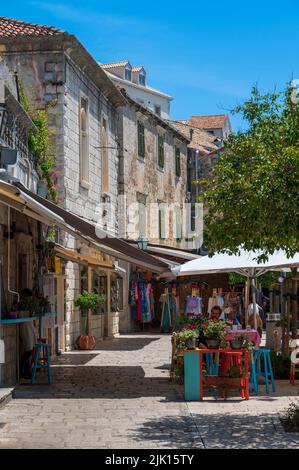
(41, 360)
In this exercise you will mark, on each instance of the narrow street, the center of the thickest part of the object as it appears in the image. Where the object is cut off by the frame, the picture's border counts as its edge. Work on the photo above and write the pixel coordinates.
(119, 396)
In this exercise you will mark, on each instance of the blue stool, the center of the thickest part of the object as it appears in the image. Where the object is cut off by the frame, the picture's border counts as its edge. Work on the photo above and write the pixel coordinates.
(41, 360)
(253, 383)
(211, 366)
(262, 355)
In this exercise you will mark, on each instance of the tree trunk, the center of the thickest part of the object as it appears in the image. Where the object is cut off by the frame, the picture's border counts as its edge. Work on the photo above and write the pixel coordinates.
(89, 280)
(283, 308)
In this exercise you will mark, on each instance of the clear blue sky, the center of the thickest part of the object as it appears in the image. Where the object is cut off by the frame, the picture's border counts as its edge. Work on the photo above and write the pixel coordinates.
(207, 55)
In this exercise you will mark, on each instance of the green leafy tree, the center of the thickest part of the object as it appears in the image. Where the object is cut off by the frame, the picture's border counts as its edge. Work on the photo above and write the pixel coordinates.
(252, 199)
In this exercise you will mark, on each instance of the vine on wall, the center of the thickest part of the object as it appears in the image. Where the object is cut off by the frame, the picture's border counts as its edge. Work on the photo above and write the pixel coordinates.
(40, 145)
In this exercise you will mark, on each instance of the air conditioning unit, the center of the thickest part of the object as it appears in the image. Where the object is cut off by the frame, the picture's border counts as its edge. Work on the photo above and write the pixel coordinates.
(273, 317)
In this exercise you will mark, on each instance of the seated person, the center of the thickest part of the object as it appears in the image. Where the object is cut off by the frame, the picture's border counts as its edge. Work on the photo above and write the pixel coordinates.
(229, 317)
(215, 314)
(259, 323)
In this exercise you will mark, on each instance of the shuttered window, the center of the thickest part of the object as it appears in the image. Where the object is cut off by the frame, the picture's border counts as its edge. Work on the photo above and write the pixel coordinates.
(141, 140)
(178, 224)
(177, 161)
(162, 235)
(160, 151)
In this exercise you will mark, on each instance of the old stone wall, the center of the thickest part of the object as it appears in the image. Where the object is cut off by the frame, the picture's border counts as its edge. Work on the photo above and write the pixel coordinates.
(143, 177)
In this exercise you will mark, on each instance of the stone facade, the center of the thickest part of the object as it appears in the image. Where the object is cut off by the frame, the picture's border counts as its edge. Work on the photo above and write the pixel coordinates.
(141, 179)
(58, 80)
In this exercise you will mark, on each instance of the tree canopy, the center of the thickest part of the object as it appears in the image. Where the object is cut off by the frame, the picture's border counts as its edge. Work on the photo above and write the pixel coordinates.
(252, 199)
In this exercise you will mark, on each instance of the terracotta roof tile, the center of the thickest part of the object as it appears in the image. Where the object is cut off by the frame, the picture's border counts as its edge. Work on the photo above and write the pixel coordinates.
(208, 122)
(111, 65)
(137, 69)
(200, 138)
(13, 28)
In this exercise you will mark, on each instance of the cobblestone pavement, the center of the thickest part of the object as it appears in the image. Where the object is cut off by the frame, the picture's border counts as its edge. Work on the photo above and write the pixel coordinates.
(119, 396)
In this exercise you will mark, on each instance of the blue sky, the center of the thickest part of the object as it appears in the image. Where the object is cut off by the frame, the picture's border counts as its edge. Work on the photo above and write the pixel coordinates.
(207, 55)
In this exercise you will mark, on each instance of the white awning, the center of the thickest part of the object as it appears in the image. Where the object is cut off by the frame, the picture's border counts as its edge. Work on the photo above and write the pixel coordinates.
(245, 264)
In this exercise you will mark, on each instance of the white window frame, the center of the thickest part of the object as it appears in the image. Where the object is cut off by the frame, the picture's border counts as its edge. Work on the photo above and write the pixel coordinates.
(84, 144)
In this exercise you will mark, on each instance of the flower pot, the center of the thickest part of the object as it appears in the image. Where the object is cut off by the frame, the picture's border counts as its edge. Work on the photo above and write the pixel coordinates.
(86, 342)
(213, 343)
(191, 343)
(236, 343)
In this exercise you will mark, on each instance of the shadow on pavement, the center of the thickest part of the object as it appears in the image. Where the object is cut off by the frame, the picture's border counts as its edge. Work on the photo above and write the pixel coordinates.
(111, 382)
(235, 431)
(124, 344)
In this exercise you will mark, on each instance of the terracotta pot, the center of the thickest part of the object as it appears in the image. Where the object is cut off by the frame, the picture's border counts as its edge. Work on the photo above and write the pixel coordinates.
(86, 342)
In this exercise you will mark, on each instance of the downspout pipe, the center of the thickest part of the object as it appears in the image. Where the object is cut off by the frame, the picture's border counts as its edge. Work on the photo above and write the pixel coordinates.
(8, 258)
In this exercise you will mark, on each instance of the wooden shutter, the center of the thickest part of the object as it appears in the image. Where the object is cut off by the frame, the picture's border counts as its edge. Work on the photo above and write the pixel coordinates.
(160, 151)
(162, 224)
(178, 223)
(141, 142)
(177, 161)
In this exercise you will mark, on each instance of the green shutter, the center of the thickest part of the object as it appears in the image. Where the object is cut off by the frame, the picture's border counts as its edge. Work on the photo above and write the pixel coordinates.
(178, 223)
(161, 224)
(177, 161)
(141, 142)
(160, 151)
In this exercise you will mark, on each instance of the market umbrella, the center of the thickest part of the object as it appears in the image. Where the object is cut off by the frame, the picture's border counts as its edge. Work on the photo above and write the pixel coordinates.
(245, 263)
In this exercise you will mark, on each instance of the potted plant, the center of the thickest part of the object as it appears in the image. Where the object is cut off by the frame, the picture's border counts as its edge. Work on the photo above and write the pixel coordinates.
(88, 301)
(185, 339)
(215, 333)
(238, 341)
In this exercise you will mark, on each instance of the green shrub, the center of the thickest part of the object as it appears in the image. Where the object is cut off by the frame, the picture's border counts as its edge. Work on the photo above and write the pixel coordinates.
(281, 365)
(292, 415)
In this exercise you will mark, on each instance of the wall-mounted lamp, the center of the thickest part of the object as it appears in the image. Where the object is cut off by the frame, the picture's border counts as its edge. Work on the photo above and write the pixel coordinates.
(142, 242)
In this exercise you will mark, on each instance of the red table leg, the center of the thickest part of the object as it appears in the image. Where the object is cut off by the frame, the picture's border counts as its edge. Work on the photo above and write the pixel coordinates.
(246, 376)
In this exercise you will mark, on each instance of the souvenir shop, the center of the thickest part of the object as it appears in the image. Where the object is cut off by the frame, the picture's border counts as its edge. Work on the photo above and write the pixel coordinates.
(152, 302)
(159, 303)
(200, 296)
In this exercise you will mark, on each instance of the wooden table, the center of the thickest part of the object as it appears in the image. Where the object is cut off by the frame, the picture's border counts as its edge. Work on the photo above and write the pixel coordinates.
(193, 370)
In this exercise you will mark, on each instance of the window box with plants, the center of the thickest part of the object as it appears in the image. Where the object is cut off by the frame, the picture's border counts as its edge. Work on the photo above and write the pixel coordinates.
(88, 302)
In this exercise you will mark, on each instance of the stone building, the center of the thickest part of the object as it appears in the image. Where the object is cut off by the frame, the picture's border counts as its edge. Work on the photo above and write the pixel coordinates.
(19, 231)
(217, 125)
(58, 74)
(135, 81)
(204, 150)
(152, 177)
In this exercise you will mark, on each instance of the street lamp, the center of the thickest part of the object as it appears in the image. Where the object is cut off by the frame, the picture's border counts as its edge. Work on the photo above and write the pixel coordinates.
(142, 242)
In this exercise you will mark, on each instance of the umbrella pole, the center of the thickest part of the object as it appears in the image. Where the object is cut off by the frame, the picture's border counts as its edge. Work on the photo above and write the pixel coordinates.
(247, 289)
(254, 300)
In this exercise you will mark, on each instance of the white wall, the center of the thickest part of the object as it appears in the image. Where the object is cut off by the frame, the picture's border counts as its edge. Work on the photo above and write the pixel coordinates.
(146, 97)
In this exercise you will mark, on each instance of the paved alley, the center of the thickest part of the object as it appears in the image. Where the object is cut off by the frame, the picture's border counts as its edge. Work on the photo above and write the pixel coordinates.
(119, 396)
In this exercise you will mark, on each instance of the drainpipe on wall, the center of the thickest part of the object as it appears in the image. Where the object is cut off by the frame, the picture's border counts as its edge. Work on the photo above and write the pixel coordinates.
(8, 257)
